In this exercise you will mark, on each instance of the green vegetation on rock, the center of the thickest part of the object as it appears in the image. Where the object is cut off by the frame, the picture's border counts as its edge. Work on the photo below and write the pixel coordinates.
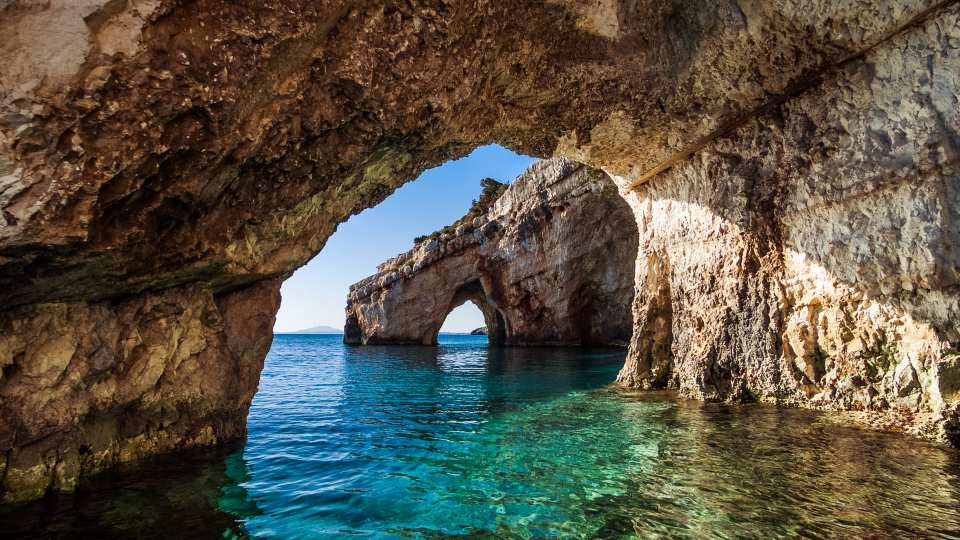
(491, 191)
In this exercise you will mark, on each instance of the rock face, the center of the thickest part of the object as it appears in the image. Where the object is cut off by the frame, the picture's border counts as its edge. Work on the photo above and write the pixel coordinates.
(812, 255)
(791, 166)
(549, 263)
(88, 385)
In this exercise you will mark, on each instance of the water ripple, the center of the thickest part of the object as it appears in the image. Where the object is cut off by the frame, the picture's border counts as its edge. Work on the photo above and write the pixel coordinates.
(459, 441)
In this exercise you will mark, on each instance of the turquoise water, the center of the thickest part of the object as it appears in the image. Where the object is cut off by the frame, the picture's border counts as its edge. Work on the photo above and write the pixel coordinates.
(462, 441)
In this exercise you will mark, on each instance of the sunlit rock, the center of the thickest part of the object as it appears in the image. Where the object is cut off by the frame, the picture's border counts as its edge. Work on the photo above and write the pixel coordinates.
(811, 256)
(550, 264)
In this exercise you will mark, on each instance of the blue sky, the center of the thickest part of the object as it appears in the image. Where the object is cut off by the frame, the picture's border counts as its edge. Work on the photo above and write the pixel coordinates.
(317, 292)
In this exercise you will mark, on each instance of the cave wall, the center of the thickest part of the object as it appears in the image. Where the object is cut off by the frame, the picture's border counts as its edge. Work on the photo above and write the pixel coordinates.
(553, 257)
(812, 255)
(148, 144)
(87, 385)
(179, 153)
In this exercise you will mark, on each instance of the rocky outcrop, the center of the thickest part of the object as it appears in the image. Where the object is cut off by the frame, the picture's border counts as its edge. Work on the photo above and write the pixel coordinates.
(550, 262)
(812, 255)
(88, 385)
(791, 166)
(482, 331)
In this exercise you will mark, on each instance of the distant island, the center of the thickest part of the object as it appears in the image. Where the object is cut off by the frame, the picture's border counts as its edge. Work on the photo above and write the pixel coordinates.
(322, 329)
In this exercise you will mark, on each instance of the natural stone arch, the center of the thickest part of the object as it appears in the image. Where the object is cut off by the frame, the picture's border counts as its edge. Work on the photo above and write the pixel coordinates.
(552, 253)
(164, 165)
(203, 151)
(493, 318)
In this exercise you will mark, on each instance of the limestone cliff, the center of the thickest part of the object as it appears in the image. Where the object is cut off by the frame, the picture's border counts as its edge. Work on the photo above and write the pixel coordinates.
(791, 166)
(550, 262)
(812, 255)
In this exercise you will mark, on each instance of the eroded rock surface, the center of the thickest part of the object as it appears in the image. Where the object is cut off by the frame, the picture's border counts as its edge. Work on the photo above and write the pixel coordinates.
(221, 142)
(88, 385)
(812, 256)
(551, 262)
(791, 165)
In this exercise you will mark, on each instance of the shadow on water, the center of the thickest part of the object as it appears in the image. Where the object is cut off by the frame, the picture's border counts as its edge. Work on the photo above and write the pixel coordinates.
(195, 494)
(465, 441)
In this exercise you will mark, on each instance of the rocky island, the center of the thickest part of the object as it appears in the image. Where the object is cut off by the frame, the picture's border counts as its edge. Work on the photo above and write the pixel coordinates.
(788, 172)
(544, 259)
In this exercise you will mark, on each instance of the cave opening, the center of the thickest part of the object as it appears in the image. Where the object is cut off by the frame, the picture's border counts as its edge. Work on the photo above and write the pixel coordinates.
(159, 182)
(465, 319)
(548, 259)
(312, 298)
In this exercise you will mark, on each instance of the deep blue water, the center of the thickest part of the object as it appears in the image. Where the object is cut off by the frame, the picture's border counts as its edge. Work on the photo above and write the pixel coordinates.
(462, 441)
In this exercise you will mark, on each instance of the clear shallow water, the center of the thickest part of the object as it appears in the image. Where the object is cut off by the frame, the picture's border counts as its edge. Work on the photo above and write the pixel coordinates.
(461, 441)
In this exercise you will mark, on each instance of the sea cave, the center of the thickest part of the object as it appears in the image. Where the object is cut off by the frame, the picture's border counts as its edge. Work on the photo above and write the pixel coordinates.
(742, 222)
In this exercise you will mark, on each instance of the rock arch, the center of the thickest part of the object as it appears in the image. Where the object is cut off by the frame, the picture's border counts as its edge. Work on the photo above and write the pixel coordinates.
(417, 324)
(552, 257)
(493, 318)
(164, 165)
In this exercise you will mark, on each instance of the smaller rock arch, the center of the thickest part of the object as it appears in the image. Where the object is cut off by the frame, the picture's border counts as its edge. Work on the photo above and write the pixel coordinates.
(492, 316)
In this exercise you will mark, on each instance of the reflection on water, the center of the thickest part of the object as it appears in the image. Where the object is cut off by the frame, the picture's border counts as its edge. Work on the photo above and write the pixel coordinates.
(462, 441)
(171, 498)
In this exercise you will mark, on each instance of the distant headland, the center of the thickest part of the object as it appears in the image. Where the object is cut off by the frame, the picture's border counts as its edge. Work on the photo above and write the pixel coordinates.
(322, 329)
